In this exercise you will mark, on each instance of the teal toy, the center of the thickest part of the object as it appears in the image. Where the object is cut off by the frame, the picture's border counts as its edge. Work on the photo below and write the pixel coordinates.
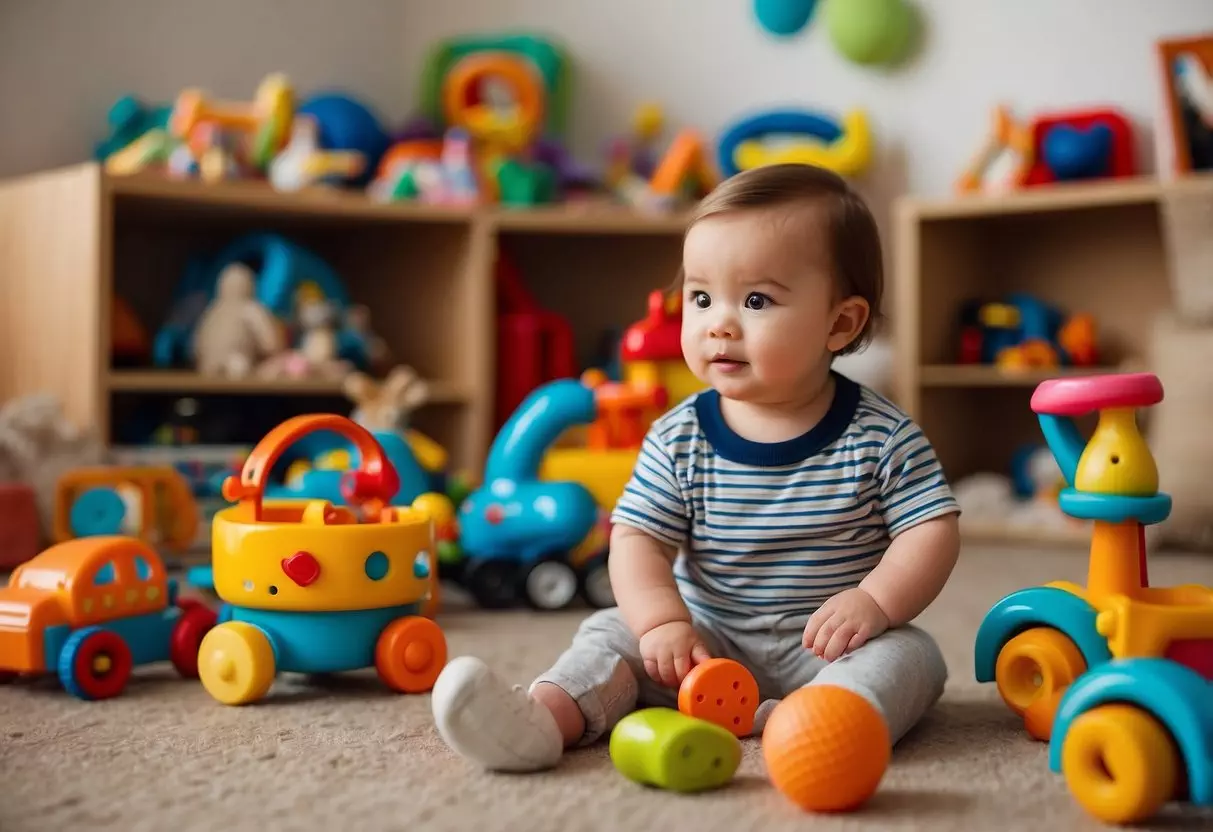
(667, 749)
(128, 119)
(784, 17)
(871, 32)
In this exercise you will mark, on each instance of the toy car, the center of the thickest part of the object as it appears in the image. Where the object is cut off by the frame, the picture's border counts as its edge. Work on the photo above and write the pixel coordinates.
(92, 609)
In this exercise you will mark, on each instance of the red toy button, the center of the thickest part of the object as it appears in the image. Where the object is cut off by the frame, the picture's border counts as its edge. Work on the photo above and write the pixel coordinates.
(302, 568)
(494, 514)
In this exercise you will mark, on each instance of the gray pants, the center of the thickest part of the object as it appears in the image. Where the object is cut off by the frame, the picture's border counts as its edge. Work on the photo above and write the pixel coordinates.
(901, 672)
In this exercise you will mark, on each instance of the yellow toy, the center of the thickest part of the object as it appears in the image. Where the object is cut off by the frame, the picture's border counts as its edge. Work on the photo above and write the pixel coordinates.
(313, 587)
(1117, 675)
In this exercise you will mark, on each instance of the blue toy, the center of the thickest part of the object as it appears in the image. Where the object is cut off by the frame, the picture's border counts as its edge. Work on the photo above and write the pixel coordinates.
(128, 119)
(282, 269)
(516, 530)
(346, 124)
(1072, 154)
(784, 17)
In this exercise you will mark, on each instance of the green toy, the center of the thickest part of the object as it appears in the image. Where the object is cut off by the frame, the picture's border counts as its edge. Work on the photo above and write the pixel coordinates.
(871, 32)
(128, 119)
(665, 748)
(525, 184)
(550, 61)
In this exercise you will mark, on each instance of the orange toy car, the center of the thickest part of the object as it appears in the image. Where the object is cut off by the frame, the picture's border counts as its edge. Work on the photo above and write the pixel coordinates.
(90, 610)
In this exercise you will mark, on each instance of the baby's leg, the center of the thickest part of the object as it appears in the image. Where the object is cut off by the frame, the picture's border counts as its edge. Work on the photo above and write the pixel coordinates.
(901, 672)
(596, 681)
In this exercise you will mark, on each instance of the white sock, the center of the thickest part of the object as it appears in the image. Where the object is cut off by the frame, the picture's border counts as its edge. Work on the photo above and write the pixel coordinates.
(762, 714)
(491, 723)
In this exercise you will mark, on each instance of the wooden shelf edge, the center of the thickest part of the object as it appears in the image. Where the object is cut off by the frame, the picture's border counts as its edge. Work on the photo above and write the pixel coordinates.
(593, 217)
(981, 375)
(1060, 197)
(185, 382)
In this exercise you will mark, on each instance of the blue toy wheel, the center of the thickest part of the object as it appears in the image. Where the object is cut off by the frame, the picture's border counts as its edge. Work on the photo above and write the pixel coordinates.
(95, 664)
(97, 511)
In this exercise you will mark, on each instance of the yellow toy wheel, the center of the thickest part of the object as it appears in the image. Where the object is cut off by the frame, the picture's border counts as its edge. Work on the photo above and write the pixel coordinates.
(1120, 763)
(410, 654)
(1033, 670)
(236, 663)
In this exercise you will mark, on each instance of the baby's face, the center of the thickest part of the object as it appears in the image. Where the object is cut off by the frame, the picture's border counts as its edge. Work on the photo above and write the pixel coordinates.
(759, 310)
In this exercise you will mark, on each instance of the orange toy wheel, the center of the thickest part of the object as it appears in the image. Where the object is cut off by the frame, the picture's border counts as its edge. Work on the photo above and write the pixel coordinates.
(826, 748)
(410, 654)
(723, 692)
(1033, 670)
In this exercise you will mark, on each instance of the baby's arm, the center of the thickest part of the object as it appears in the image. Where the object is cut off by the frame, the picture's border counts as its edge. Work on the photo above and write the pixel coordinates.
(922, 518)
(920, 514)
(650, 522)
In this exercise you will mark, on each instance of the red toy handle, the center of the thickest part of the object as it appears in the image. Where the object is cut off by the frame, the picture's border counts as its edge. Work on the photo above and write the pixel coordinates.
(1086, 394)
(375, 480)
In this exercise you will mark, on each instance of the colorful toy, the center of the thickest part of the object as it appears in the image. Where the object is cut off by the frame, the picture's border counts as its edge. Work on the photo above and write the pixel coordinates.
(871, 32)
(346, 124)
(783, 17)
(544, 63)
(1007, 138)
(651, 350)
(516, 530)
(722, 692)
(826, 748)
(844, 147)
(1023, 332)
(1081, 145)
(1116, 670)
(311, 587)
(302, 162)
(663, 748)
(130, 119)
(266, 121)
(154, 503)
(91, 610)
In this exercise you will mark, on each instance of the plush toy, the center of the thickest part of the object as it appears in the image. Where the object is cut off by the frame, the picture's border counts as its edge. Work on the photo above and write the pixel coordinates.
(236, 331)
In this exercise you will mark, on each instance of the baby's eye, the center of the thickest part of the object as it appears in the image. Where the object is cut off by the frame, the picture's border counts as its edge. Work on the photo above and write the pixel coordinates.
(757, 300)
(701, 299)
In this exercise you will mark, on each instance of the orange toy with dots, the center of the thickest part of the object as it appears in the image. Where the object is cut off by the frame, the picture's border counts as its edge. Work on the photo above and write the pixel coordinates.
(826, 748)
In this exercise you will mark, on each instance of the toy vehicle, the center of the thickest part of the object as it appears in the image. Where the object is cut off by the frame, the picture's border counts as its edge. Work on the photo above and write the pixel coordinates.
(1115, 674)
(92, 609)
(313, 587)
(152, 502)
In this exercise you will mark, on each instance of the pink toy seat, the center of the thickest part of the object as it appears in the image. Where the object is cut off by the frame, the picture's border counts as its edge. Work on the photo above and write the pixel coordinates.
(1079, 396)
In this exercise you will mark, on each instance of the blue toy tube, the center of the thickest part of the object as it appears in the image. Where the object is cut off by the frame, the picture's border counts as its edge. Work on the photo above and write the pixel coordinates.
(535, 425)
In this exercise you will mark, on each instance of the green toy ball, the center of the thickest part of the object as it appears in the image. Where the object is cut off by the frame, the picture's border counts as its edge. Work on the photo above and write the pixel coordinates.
(870, 32)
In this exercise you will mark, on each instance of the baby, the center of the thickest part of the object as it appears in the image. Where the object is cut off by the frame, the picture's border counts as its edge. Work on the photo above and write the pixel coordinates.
(785, 517)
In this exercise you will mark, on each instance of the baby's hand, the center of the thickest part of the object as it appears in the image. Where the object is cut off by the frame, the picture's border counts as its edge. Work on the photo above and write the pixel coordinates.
(670, 651)
(844, 623)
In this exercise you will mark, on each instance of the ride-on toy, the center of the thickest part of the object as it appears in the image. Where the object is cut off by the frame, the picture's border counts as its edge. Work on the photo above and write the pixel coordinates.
(91, 610)
(1117, 675)
(312, 587)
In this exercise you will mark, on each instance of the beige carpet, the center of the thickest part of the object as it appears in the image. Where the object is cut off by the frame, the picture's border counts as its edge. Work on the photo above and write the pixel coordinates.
(352, 757)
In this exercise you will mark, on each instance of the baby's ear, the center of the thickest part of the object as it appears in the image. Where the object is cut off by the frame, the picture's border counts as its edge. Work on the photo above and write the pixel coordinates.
(850, 317)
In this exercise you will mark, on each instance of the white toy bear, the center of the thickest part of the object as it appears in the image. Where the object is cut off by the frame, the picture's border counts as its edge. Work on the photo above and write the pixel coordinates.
(235, 332)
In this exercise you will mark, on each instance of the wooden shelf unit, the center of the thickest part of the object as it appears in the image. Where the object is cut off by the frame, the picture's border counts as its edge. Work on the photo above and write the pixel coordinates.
(1096, 248)
(71, 238)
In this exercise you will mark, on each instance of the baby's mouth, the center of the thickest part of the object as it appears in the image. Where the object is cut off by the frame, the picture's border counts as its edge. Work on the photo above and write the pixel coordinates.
(724, 362)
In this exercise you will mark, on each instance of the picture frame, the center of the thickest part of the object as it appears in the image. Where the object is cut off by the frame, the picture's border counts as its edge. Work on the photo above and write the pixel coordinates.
(1185, 142)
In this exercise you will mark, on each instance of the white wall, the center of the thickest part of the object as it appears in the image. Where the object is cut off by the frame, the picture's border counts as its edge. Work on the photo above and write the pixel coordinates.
(707, 61)
(63, 62)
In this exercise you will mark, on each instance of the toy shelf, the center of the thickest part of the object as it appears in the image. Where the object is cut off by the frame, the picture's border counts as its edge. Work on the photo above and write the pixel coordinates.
(1097, 248)
(73, 238)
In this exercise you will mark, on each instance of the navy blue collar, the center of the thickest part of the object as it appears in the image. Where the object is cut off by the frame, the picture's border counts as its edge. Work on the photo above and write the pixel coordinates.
(736, 448)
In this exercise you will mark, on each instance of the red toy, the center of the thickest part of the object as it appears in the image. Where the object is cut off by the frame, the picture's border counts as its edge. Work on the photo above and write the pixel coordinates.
(533, 345)
(1121, 161)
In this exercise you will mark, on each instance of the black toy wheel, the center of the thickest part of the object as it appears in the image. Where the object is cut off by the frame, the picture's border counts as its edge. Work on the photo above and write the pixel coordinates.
(550, 584)
(492, 583)
(594, 583)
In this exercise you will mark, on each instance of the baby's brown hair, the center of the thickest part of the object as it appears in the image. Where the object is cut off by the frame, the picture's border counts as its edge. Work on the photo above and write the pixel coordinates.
(853, 236)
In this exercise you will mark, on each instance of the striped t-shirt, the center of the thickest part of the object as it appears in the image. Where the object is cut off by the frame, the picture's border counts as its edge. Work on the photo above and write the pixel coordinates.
(777, 528)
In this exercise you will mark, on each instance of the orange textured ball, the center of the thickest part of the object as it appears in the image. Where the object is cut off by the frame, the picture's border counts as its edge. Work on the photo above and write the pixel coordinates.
(826, 748)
